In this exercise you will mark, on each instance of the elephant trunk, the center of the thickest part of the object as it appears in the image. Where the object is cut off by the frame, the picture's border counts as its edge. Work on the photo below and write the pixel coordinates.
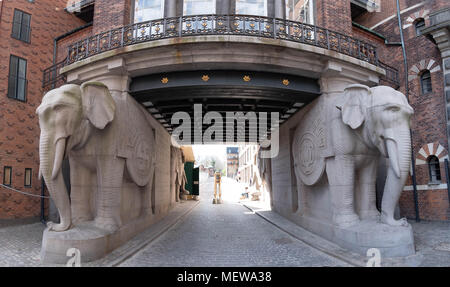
(51, 157)
(399, 152)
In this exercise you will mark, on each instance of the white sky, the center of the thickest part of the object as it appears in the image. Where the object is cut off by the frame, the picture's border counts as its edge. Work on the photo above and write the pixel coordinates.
(208, 150)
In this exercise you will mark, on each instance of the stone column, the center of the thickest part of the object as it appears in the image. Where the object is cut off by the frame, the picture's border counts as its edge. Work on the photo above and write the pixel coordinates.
(170, 8)
(280, 9)
(440, 30)
(225, 7)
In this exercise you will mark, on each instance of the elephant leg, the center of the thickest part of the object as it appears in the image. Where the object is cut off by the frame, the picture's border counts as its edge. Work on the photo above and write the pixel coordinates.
(366, 205)
(148, 197)
(110, 179)
(341, 178)
(82, 183)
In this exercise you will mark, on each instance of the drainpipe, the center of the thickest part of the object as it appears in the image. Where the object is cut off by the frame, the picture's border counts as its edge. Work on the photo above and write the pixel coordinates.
(413, 161)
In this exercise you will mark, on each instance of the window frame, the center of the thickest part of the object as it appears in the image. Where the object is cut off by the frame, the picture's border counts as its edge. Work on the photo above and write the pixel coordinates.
(436, 167)
(25, 92)
(10, 175)
(20, 37)
(422, 86)
(25, 178)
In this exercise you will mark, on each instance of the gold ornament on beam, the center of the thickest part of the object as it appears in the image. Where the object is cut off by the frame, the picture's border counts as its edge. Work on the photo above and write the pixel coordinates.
(164, 80)
(205, 78)
(286, 82)
(247, 78)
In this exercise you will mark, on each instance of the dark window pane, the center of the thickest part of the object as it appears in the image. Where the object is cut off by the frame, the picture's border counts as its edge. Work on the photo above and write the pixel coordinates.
(25, 31)
(21, 26)
(7, 174)
(28, 175)
(17, 20)
(425, 82)
(420, 25)
(21, 89)
(12, 80)
(434, 169)
(17, 79)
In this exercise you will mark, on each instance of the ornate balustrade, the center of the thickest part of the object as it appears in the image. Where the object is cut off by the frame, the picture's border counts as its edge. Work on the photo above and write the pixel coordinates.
(246, 25)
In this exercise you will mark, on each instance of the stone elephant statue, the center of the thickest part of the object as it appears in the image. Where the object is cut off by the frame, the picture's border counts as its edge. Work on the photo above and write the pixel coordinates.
(107, 140)
(265, 173)
(338, 144)
(177, 173)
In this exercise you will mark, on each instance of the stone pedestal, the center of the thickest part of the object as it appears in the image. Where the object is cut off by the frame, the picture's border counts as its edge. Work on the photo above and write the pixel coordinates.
(392, 241)
(93, 243)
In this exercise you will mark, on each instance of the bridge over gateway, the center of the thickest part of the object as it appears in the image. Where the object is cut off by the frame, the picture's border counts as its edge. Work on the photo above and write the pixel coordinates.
(299, 74)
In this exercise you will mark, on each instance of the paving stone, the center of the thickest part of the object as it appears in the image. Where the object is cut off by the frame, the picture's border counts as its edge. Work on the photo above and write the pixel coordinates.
(227, 235)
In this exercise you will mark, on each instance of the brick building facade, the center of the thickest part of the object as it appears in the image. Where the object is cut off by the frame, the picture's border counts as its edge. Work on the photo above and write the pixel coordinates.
(27, 32)
(379, 27)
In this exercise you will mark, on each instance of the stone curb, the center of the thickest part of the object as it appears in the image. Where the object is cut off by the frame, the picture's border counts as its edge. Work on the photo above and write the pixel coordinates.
(328, 247)
(143, 239)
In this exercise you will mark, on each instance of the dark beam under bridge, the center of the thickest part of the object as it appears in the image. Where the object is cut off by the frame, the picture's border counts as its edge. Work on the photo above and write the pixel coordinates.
(223, 91)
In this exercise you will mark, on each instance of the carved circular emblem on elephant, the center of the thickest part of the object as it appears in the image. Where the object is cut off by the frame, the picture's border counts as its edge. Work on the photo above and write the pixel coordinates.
(309, 165)
(140, 164)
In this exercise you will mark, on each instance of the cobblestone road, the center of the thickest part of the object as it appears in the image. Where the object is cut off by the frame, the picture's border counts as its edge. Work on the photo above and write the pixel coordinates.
(20, 245)
(227, 235)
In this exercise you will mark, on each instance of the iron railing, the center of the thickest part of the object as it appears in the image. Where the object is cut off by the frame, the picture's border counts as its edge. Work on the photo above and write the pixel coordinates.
(245, 25)
(52, 76)
(392, 76)
(222, 25)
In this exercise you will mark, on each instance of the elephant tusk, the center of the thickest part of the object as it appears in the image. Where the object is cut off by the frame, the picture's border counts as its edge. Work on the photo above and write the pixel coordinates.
(59, 156)
(392, 151)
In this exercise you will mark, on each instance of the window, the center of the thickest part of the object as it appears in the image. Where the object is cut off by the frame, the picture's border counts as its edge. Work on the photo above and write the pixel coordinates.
(425, 82)
(28, 175)
(21, 26)
(17, 79)
(199, 7)
(251, 7)
(7, 174)
(434, 169)
(420, 25)
(145, 10)
(300, 10)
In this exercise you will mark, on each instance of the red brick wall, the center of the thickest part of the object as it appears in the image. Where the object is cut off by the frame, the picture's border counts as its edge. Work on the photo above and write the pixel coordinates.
(63, 44)
(334, 15)
(429, 120)
(111, 14)
(19, 129)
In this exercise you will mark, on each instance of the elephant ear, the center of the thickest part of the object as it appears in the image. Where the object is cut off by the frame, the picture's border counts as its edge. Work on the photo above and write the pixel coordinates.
(352, 106)
(98, 104)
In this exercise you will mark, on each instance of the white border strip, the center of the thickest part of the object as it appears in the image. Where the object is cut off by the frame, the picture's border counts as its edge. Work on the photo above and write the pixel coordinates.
(426, 187)
(395, 15)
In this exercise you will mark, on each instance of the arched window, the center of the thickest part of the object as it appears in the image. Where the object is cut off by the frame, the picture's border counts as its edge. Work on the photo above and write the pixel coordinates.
(434, 169)
(420, 25)
(425, 82)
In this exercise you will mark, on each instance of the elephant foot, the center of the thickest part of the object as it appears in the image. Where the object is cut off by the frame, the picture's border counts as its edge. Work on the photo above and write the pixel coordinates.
(58, 227)
(389, 220)
(369, 215)
(345, 220)
(106, 224)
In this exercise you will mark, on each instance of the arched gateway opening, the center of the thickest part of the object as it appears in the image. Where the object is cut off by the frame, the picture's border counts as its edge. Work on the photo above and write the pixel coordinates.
(141, 88)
